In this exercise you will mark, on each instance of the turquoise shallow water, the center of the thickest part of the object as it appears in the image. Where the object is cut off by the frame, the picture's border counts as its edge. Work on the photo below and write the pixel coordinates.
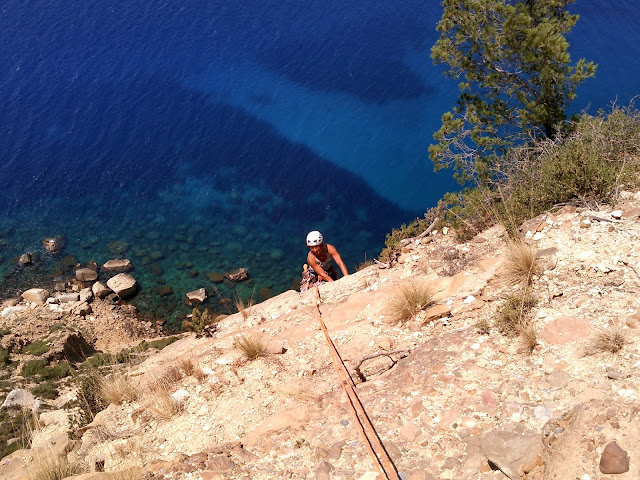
(216, 135)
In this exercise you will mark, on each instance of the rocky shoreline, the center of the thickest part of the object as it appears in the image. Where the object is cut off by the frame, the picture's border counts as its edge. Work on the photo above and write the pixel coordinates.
(462, 400)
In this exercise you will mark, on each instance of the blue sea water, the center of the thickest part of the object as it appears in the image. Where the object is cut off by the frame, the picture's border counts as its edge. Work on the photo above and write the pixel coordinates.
(216, 134)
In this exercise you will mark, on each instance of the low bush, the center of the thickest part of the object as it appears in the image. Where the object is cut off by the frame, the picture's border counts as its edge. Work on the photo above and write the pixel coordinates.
(36, 348)
(158, 344)
(47, 390)
(200, 319)
(513, 315)
(4, 356)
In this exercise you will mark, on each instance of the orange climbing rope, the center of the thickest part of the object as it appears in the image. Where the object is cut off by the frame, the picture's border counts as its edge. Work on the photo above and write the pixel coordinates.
(369, 435)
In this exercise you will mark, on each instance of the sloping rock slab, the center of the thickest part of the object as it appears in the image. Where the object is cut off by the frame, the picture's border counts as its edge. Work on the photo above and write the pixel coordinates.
(566, 329)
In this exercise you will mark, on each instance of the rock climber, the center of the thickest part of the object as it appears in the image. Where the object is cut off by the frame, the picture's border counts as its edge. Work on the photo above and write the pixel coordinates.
(319, 265)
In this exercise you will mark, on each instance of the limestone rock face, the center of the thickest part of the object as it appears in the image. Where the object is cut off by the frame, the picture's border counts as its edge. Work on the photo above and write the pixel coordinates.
(36, 295)
(121, 265)
(123, 284)
(86, 275)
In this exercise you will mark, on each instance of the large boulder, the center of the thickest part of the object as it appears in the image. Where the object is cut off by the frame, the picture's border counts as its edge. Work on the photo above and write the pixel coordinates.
(86, 275)
(100, 290)
(36, 295)
(23, 399)
(123, 284)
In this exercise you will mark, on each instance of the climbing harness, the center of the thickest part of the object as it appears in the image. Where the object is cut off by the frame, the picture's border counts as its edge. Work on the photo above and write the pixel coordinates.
(378, 453)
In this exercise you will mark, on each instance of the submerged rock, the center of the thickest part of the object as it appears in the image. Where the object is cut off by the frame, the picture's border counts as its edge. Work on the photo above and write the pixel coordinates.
(237, 275)
(215, 277)
(117, 265)
(197, 297)
(118, 247)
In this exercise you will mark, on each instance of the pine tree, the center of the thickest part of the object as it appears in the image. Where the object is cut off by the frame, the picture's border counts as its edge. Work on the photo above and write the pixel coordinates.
(516, 79)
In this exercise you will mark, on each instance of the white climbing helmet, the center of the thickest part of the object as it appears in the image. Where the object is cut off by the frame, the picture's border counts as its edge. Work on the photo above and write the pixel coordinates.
(314, 238)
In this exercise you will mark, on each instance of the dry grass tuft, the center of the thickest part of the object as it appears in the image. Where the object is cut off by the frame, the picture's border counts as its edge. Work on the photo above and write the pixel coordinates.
(528, 337)
(366, 263)
(191, 369)
(159, 399)
(172, 375)
(117, 388)
(243, 306)
(611, 340)
(483, 326)
(251, 347)
(410, 299)
(49, 466)
(522, 264)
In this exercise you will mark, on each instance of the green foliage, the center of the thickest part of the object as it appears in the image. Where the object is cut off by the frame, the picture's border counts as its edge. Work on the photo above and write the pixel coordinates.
(513, 313)
(36, 348)
(590, 163)
(158, 344)
(4, 331)
(47, 390)
(4, 356)
(10, 428)
(416, 227)
(90, 400)
(516, 79)
(38, 368)
(200, 319)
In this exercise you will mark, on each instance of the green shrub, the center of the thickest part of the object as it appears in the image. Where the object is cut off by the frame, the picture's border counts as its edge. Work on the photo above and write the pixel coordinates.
(4, 331)
(36, 348)
(589, 165)
(47, 390)
(33, 368)
(158, 344)
(512, 316)
(4, 356)
(90, 399)
(38, 368)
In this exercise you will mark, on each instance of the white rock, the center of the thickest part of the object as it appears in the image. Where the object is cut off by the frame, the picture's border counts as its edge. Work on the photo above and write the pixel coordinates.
(180, 396)
(36, 295)
(538, 236)
(617, 214)
(469, 299)
(10, 312)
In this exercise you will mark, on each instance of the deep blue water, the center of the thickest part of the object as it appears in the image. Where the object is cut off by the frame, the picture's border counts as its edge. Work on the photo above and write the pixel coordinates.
(219, 133)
